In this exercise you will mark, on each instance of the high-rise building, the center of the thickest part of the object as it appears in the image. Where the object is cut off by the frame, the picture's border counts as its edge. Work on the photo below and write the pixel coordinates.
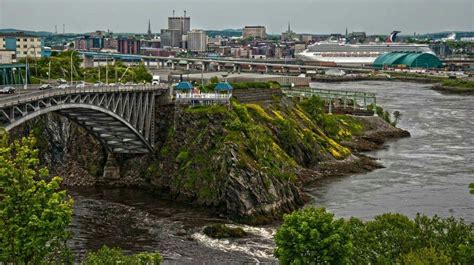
(177, 28)
(22, 44)
(197, 40)
(254, 31)
(171, 38)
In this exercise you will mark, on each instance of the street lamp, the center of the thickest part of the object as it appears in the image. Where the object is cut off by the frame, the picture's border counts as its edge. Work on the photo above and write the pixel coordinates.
(72, 52)
(27, 67)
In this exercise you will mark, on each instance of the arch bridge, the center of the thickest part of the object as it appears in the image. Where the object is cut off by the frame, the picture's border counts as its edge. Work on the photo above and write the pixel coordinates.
(120, 118)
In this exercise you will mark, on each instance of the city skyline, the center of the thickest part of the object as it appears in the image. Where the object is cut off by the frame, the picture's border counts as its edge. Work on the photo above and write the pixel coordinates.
(420, 16)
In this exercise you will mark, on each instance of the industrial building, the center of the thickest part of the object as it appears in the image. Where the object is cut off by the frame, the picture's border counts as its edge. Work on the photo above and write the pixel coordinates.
(197, 41)
(254, 31)
(407, 60)
(171, 38)
(22, 44)
(178, 27)
(128, 45)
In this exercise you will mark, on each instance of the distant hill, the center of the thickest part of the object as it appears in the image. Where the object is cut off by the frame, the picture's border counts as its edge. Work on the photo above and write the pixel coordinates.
(28, 32)
(225, 33)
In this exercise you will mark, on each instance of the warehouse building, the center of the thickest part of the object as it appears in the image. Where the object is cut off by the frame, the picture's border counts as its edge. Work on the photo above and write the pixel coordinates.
(407, 60)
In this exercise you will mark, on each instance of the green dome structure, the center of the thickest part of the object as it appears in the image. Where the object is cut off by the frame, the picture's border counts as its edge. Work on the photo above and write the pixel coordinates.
(407, 59)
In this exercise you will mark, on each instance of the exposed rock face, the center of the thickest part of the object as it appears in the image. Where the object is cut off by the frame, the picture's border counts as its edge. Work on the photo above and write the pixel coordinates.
(247, 161)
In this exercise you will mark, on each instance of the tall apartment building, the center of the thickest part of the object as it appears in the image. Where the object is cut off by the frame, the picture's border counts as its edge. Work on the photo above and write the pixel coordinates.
(23, 45)
(254, 31)
(197, 40)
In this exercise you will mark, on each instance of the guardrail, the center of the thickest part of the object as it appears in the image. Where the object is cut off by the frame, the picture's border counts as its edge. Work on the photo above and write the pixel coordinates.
(13, 99)
(333, 97)
(202, 98)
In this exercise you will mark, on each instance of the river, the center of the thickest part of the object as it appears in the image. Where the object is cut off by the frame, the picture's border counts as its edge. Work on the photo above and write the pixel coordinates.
(427, 173)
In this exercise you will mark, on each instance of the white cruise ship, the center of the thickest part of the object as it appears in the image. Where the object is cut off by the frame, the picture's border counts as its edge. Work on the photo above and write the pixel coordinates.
(356, 54)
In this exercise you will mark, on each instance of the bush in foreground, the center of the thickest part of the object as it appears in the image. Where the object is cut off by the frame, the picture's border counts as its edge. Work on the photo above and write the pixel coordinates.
(313, 236)
(112, 256)
(34, 213)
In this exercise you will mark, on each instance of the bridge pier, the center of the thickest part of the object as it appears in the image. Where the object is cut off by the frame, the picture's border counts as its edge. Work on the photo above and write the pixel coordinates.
(111, 169)
(88, 61)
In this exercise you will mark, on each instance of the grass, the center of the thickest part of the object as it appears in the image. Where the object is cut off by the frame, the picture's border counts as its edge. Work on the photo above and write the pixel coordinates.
(462, 84)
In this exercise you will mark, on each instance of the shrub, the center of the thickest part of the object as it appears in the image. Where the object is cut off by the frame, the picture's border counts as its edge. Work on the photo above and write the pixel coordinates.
(34, 214)
(113, 256)
(313, 236)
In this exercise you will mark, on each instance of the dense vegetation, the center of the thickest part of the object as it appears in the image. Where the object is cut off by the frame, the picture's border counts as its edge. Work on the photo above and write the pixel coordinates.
(61, 68)
(314, 236)
(268, 143)
(106, 255)
(35, 214)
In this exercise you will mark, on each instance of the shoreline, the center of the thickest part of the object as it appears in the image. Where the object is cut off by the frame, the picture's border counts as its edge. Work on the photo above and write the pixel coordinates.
(453, 90)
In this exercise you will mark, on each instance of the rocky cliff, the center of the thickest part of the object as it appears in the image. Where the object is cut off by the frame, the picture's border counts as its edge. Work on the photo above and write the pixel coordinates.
(247, 161)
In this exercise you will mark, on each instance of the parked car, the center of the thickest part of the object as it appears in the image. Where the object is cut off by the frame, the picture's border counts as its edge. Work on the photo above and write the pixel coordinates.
(63, 86)
(62, 81)
(7, 90)
(45, 86)
(81, 85)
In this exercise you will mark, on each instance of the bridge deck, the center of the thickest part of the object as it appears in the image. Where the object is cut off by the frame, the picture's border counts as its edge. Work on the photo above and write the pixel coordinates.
(121, 118)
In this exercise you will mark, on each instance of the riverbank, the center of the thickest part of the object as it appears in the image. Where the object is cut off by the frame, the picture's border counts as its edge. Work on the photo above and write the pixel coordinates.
(455, 86)
(392, 76)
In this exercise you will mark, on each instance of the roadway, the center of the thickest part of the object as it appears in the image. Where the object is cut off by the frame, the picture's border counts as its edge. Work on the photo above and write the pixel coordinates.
(25, 95)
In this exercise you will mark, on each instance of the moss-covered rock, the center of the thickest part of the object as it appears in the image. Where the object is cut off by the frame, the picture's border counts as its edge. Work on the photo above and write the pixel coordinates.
(245, 160)
(223, 231)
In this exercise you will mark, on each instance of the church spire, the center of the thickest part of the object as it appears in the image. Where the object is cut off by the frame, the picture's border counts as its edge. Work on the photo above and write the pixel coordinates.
(149, 28)
(289, 27)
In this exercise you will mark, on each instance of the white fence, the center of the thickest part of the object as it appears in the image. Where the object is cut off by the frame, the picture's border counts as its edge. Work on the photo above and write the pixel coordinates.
(202, 98)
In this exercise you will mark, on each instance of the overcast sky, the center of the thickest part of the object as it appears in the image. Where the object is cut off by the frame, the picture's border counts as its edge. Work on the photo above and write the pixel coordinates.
(312, 16)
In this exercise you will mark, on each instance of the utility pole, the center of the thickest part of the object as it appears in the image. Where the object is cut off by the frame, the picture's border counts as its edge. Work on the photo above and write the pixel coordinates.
(106, 69)
(72, 52)
(49, 72)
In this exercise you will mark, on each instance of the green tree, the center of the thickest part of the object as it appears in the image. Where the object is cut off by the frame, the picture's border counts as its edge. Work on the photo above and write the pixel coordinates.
(113, 256)
(397, 116)
(425, 256)
(34, 214)
(307, 236)
(313, 236)
(383, 239)
(314, 106)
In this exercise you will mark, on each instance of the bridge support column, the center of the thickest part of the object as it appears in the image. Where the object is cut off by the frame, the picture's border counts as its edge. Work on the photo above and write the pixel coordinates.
(234, 68)
(173, 67)
(88, 61)
(111, 169)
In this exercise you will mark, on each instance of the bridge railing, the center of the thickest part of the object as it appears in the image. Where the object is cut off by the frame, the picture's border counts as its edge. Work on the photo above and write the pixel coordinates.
(332, 96)
(41, 94)
(202, 98)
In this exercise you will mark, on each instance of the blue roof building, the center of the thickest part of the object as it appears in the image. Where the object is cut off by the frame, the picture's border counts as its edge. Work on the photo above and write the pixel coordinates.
(186, 86)
(223, 86)
(407, 59)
